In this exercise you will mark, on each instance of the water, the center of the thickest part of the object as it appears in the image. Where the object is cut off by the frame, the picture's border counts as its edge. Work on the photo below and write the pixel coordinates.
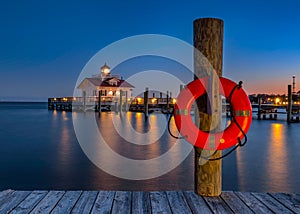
(39, 150)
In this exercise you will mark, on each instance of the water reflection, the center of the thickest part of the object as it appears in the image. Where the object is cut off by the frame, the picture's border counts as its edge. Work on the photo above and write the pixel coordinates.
(240, 169)
(64, 146)
(277, 163)
(269, 161)
(104, 144)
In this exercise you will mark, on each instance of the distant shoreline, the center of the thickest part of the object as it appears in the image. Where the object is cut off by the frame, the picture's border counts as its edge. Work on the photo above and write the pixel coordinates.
(22, 101)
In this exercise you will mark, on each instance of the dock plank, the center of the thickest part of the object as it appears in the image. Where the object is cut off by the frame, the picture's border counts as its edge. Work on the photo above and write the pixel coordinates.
(145, 202)
(67, 202)
(196, 203)
(13, 200)
(159, 202)
(292, 201)
(5, 192)
(122, 202)
(253, 203)
(103, 203)
(178, 203)
(217, 205)
(29, 202)
(235, 203)
(48, 202)
(272, 203)
(4, 196)
(141, 203)
(85, 202)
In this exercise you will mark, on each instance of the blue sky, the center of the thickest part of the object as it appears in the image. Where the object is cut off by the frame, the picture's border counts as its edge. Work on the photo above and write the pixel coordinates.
(45, 44)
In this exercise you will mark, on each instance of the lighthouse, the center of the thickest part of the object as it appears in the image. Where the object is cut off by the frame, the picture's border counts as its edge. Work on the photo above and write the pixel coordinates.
(104, 71)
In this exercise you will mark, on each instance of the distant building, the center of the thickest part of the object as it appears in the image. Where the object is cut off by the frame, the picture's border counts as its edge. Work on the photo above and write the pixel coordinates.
(108, 85)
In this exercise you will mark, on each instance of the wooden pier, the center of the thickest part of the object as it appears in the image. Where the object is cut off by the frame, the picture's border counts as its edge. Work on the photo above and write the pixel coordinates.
(264, 112)
(270, 111)
(92, 104)
(145, 202)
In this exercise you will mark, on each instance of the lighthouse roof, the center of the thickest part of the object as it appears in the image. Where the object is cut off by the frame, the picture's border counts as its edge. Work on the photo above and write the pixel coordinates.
(105, 67)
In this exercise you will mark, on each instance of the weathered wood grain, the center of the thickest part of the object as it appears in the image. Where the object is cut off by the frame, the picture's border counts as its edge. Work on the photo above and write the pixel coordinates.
(292, 201)
(272, 203)
(29, 202)
(208, 59)
(141, 203)
(145, 202)
(48, 202)
(13, 200)
(217, 205)
(177, 202)
(159, 202)
(85, 202)
(253, 203)
(67, 202)
(122, 202)
(4, 195)
(235, 203)
(196, 203)
(103, 203)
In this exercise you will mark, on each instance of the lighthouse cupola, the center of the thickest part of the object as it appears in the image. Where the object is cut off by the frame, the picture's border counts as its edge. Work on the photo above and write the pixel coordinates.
(105, 71)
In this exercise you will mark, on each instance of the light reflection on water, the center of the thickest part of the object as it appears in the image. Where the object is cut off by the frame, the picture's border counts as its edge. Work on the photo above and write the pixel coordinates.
(270, 160)
(277, 173)
(39, 150)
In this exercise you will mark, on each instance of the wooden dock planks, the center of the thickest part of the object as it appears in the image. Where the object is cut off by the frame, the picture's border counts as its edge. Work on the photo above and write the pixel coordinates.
(48, 203)
(145, 202)
(85, 202)
(29, 202)
(141, 202)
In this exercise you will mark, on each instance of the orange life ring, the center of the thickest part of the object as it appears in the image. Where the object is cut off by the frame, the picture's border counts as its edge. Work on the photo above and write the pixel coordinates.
(213, 141)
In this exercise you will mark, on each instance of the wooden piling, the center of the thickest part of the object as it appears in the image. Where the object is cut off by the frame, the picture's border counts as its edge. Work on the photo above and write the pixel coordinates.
(167, 102)
(180, 87)
(208, 39)
(259, 108)
(146, 102)
(99, 101)
(121, 101)
(84, 100)
(126, 101)
(289, 107)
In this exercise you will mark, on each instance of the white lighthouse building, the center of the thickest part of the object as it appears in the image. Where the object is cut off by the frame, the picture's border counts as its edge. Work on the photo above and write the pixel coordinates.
(108, 86)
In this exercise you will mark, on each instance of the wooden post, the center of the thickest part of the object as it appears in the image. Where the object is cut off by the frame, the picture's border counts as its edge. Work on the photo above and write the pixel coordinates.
(146, 101)
(167, 102)
(120, 106)
(126, 101)
(99, 101)
(180, 87)
(259, 108)
(84, 100)
(289, 107)
(208, 39)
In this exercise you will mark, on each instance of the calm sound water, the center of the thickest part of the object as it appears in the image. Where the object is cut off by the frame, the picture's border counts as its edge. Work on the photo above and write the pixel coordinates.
(39, 150)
